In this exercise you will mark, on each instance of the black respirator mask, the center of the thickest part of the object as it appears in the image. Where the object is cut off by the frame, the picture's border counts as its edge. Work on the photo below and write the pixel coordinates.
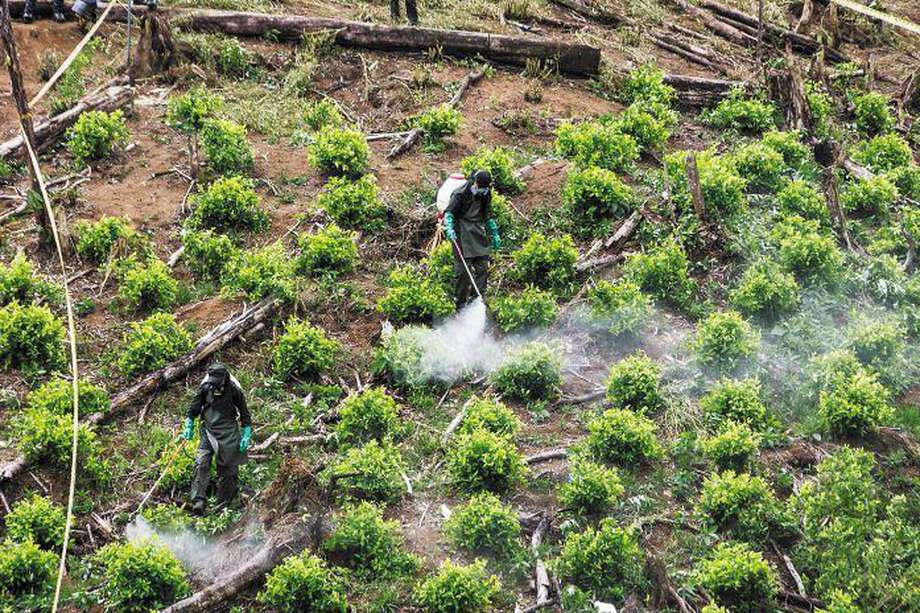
(214, 385)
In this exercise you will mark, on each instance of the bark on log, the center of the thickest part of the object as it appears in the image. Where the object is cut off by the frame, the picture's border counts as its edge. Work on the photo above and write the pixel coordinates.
(49, 131)
(547, 456)
(691, 53)
(696, 192)
(541, 576)
(722, 29)
(700, 91)
(787, 89)
(592, 12)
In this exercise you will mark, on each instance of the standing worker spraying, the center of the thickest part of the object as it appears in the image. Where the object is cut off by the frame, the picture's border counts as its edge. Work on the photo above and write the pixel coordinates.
(219, 403)
(467, 219)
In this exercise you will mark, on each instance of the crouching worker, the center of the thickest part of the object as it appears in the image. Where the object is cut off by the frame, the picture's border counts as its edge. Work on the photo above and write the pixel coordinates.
(221, 406)
(469, 225)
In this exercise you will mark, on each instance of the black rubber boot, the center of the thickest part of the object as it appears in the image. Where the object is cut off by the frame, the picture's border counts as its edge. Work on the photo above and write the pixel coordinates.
(28, 13)
(198, 507)
(57, 11)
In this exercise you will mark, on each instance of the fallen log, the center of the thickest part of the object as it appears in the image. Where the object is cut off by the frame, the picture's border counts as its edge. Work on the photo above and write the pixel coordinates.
(541, 576)
(722, 29)
(700, 91)
(593, 12)
(547, 456)
(690, 52)
(113, 96)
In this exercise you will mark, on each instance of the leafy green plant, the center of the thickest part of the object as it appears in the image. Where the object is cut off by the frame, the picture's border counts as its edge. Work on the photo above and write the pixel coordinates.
(95, 240)
(207, 252)
(796, 154)
(720, 184)
(591, 489)
(624, 436)
(737, 400)
(605, 560)
(438, 122)
(739, 504)
(547, 263)
(484, 524)
(139, 577)
(481, 460)
(883, 153)
(733, 447)
(46, 437)
(440, 263)
(318, 115)
(304, 351)
(299, 79)
(856, 406)
(489, 414)
(37, 520)
(147, 286)
(635, 383)
(907, 180)
(225, 145)
(177, 465)
(874, 196)
(595, 197)
(871, 112)
(330, 251)
(646, 84)
(664, 272)
(339, 151)
(737, 577)
(31, 338)
(303, 583)
(228, 204)
(531, 309)
(411, 297)
(875, 343)
(529, 373)
(151, 344)
(400, 356)
(739, 112)
(25, 569)
(371, 414)
(620, 307)
(188, 112)
(458, 589)
(821, 105)
(806, 251)
(371, 472)
(761, 166)
(96, 135)
(765, 292)
(724, 339)
(260, 273)
(364, 540)
(596, 145)
(20, 283)
(56, 396)
(353, 204)
(648, 123)
(499, 164)
(798, 197)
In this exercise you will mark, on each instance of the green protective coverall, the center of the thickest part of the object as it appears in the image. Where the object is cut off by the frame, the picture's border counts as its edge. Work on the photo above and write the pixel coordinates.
(471, 214)
(222, 411)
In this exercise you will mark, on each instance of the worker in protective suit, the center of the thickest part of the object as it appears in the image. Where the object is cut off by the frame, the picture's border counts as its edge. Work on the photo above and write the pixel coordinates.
(469, 225)
(221, 406)
(411, 11)
(57, 11)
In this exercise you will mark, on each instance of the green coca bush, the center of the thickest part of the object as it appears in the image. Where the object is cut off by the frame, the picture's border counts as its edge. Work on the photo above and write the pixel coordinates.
(152, 343)
(339, 151)
(31, 338)
(606, 560)
(762, 167)
(363, 540)
(595, 197)
(189, 111)
(720, 184)
(737, 577)
(96, 135)
(855, 406)
(207, 252)
(648, 123)
(303, 583)
(827, 371)
(440, 263)
(262, 272)
(499, 164)
(492, 415)
(177, 465)
(20, 283)
(623, 436)
(635, 383)
(25, 569)
(322, 113)
(226, 147)
(883, 153)
(304, 351)
(871, 112)
(724, 340)
(353, 203)
(330, 251)
(37, 520)
(884, 279)
(529, 373)
(733, 447)
(547, 263)
(907, 180)
(371, 472)
(596, 145)
(413, 298)
(591, 489)
(400, 357)
(620, 307)
(458, 589)
(738, 504)
(140, 577)
(646, 84)
(796, 154)
(481, 460)
(46, 437)
(806, 251)
(875, 196)
(437, 123)
(368, 415)
(798, 197)
(529, 310)
(742, 113)
(484, 524)
(664, 272)
(96, 239)
(876, 343)
(821, 105)
(147, 286)
(765, 292)
(737, 400)
(56, 396)
(228, 204)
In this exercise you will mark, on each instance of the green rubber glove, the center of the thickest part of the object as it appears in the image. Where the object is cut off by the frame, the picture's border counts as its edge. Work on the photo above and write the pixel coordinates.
(449, 230)
(493, 231)
(245, 438)
(189, 430)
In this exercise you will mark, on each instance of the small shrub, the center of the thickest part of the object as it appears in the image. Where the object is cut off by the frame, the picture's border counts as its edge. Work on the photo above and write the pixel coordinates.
(37, 520)
(738, 112)
(801, 198)
(371, 472)
(595, 197)
(321, 114)
(368, 415)
(177, 465)
(303, 583)
(412, 298)
(148, 286)
(438, 122)
(96, 135)
(531, 309)
(401, 354)
(827, 371)
(529, 373)
(339, 151)
(25, 569)
(46, 437)
(228, 204)
(481, 460)
(484, 524)
(189, 111)
(330, 251)
(20, 283)
(761, 165)
(796, 154)
(31, 338)
(491, 415)
(737, 400)
(907, 180)
(260, 273)
(875, 196)
(737, 577)
(304, 351)
(139, 577)
(620, 307)
(821, 105)
(663, 272)
(724, 339)
(596, 145)
(207, 252)
(547, 263)
(95, 240)
(733, 447)
(458, 589)
(440, 264)
(885, 279)
(607, 560)
(56, 396)
(634, 383)
(499, 164)
(805, 251)
(883, 153)
(646, 84)
(624, 436)
(856, 406)
(648, 123)
(720, 184)
(353, 204)
(765, 292)
(876, 343)
(225, 145)
(591, 489)
(299, 78)
(871, 113)
(151, 344)
(739, 504)
(364, 540)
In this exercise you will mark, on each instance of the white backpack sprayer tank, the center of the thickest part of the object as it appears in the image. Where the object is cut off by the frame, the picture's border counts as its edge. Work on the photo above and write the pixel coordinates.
(450, 185)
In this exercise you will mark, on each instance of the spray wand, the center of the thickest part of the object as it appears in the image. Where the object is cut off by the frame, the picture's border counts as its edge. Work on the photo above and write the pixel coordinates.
(166, 467)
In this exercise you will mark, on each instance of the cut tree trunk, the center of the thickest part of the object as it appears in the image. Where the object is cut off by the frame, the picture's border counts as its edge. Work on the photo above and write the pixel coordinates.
(787, 89)
(156, 52)
(700, 91)
(49, 131)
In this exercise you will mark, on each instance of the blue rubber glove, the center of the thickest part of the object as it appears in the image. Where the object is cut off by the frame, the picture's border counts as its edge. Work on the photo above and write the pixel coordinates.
(189, 430)
(449, 230)
(493, 231)
(245, 438)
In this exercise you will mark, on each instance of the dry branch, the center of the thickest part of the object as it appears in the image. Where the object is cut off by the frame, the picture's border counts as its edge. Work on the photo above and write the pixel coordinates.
(693, 53)
(592, 12)
(541, 576)
(547, 456)
(696, 192)
(722, 29)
